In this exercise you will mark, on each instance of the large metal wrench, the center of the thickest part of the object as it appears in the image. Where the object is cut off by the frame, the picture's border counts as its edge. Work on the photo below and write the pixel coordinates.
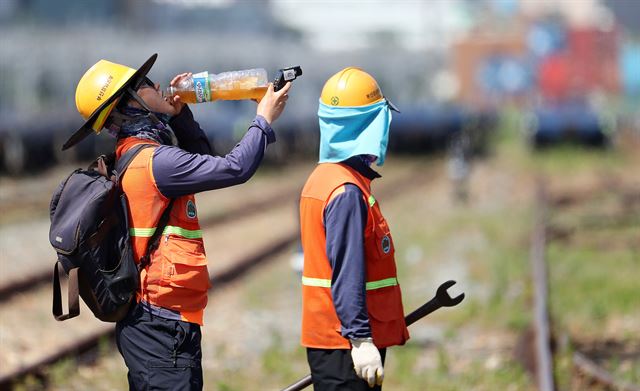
(441, 299)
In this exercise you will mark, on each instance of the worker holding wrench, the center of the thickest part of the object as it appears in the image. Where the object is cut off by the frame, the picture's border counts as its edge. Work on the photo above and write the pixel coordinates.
(352, 304)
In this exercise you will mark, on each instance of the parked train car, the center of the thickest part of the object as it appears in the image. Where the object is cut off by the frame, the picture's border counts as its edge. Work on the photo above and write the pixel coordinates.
(39, 90)
(28, 142)
(568, 122)
(432, 128)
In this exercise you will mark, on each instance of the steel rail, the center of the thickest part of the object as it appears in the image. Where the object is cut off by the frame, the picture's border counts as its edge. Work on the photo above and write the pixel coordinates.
(44, 276)
(238, 270)
(543, 353)
(589, 368)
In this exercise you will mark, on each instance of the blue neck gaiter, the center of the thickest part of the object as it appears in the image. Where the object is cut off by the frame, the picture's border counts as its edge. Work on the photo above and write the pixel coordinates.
(351, 131)
(140, 125)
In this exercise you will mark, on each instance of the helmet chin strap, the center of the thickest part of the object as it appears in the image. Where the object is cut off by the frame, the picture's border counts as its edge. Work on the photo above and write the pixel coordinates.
(142, 103)
(117, 118)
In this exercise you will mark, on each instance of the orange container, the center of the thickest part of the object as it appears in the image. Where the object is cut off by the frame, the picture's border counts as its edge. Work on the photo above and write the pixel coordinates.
(234, 85)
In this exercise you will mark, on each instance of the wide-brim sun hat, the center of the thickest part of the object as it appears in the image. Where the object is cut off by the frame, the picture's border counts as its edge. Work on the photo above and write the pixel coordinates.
(99, 91)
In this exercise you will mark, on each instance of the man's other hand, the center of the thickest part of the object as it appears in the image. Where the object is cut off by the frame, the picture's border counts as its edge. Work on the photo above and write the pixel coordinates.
(366, 361)
(273, 103)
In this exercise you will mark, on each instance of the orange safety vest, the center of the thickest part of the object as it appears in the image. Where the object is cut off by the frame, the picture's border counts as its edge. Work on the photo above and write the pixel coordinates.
(176, 276)
(320, 324)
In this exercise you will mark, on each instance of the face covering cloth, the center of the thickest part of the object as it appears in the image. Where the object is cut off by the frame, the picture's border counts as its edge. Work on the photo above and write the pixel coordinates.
(351, 131)
(142, 126)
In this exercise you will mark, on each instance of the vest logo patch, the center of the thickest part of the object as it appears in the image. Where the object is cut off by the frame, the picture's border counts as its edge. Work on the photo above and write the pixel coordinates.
(191, 210)
(386, 244)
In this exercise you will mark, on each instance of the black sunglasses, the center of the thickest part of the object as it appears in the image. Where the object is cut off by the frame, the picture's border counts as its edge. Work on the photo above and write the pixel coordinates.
(144, 81)
(134, 87)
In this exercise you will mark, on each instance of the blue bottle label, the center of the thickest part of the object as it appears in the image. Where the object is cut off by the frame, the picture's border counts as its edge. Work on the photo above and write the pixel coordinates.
(201, 87)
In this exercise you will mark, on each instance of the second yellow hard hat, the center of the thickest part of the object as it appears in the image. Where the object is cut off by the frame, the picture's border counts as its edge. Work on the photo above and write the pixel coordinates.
(351, 87)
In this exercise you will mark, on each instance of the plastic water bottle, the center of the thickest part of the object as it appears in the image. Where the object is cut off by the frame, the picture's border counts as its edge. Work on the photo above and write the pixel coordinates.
(234, 85)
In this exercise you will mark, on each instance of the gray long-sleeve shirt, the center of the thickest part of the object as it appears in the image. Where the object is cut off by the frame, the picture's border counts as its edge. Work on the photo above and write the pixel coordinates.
(345, 219)
(191, 167)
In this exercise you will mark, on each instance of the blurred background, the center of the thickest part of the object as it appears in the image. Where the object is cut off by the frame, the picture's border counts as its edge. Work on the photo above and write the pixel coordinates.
(568, 67)
(499, 99)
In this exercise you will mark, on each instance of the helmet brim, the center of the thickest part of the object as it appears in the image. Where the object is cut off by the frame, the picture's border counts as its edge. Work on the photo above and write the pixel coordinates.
(87, 128)
(391, 105)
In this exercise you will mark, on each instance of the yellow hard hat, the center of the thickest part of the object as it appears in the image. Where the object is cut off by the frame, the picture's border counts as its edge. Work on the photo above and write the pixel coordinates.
(352, 87)
(99, 91)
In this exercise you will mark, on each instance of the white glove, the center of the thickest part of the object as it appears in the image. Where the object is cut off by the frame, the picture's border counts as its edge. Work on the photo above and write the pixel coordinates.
(366, 361)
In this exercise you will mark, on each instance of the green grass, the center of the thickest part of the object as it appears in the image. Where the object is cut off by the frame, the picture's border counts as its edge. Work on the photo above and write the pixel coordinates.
(594, 274)
(405, 372)
(594, 282)
(590, 286)
(495, 250)
(500, 265)
(563, 159)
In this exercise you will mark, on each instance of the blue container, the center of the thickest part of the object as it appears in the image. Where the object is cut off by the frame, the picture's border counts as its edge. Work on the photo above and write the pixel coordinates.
(571, 122)
(630, 69)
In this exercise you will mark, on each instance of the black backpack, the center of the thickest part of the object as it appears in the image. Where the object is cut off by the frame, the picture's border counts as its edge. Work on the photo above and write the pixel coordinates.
(90, 233)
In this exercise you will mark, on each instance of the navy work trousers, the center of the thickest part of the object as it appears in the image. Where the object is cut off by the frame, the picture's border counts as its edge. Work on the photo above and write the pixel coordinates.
(161, 354)
(332, 370)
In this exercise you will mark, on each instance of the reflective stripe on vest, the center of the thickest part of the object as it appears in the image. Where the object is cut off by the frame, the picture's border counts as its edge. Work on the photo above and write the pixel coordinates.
(169, 229)
(371, 285)
(142, 232)
(185, 233)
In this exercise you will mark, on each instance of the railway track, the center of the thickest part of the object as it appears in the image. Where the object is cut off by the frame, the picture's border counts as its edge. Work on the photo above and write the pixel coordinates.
(27, 241)
(542, 331)
(42, 275)
(542, 347)
(91, 341)
(270, 224)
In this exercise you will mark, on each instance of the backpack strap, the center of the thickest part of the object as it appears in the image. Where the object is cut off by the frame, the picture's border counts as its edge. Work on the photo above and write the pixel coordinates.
(120, 168)
(153, 242)
(73, 292)
(125, 159)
